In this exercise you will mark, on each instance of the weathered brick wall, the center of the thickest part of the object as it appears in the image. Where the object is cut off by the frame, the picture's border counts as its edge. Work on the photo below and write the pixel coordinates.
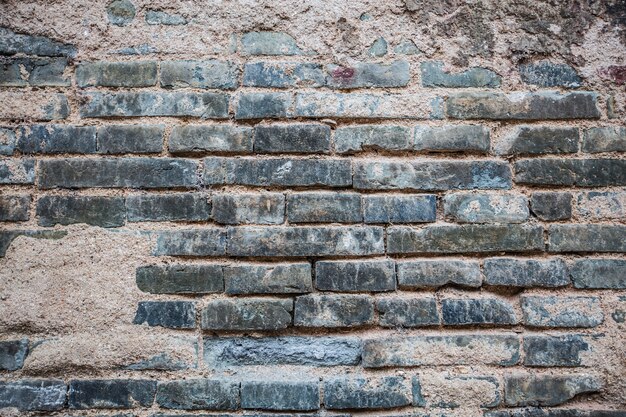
(414, 208)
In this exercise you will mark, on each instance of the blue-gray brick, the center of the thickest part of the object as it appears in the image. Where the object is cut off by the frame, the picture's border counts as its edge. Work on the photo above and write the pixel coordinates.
(268, 279)
(486, 208)
(92, 210)
(538, 140)
(263, 106)
(551, 206)
(549, 74)
(604, 139)
(410, 312)
(482, 311)
(180, 279)
(526, 273)
(433, 75)
(352, 139)
(12, 355)
(12, 43)
(587, 238)
(369, 75)
(117, 74)
(51, 139)
(211, 138)
(355, 276)
(169, 314)
(333, 311)
(552, 311)
(292, 138)
(523, 390)
(280, 396)
(376, 393)
(40, 72)
(324, 207)
(437, 273)
(599, 273)
(120, 139)
(400, 208)
(548, 351)
(200, 74)
(198, 394)
(185, 207)
(283, 74)
(114, 393)
(33, 394)
(191, 242)
(247, 314)
(590, 172)
(14, 208)
(452, 138)
(269, 43)
(249, 208)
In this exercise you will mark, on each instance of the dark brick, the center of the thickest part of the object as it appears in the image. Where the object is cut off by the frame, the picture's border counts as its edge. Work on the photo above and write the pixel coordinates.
(355, 276)
(551, 311)
(211, 138)
(546, 390)
(369, 75)
(486, 208)
(280, 396)
(526, 273)
(7, 236)
(268, 279)
(117, 74)
(437, 273)
(51, 139)
(352, 139)
(292, 138)
(247, 314)
(324, 207)
(398, 312)
(452, 138)
(191, 242)
(548, 74)
(14, 208)
(33, 394)
(92, 210)
(433, 75)
(180, 279)
(198, 394)
(114, 393)
(483, 311)
(571, 172)
(168, 207)
(170, 314)
(333, 311)
(400, 208)
(12, 355)
(120, 139)
(538, 140)
(551, 206)
(200, 74)
(546, 351)
(40, 72)
(117, 173)
(604, 139)
(12, 43)
(263, 105)
(283, 74)
(268, 43)
(599, 273)
(265, 208)
(587, 238)
(373, 393)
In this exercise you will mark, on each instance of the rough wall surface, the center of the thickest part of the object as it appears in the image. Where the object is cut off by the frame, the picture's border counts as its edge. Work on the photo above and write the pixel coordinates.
(281, 208)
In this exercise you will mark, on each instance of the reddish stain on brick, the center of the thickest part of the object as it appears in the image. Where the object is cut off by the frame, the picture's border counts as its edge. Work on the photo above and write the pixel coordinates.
(343, 73)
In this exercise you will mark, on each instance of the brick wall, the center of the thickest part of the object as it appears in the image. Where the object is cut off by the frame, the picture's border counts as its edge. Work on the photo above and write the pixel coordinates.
(402, 232)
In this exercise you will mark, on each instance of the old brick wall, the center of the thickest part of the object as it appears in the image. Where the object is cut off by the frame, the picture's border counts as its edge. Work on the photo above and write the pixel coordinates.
(281, 208)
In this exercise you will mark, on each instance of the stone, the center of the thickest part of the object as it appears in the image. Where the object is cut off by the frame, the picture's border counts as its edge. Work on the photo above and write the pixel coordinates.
(169, 314)
(180, 279)
(604, 139)
(437, 273)
(538, 140)
(547, 351)
(14, 208)
(191, 242)
(212, 73)
(269, 43)
(186, 207)
(587, 238)
(198, 394)
(360, 393)
(12, 43)
(378, 48)
(324, 207)
(399, 208)
(33, 394)
(248, 208)
(601, 205)
(548, 74)
(158, 17)
(92, 210)
(406, 47)
(268, 279)
(39, 72)
(369, 75)
(292, 138)
(55, 139)
(117, 74)
(452, 138)
(526, 273)
(353, 139)
(486, 208)
(600, 172)
(333, 311)
(522, 390)
(212, 138)
(434, 75)
(263, 106)
(111, 393)
(280, 396)
(121, 139)
(355, 276)
(551, 311)
(599, 273)
(398, 312)
(12, 355)
(247, 314)
(551, 206)
(283, 75)
(482, 311)
(121, 12)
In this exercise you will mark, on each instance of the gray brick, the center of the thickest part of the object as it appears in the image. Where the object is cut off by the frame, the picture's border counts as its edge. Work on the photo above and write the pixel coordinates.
(158, 17)
(571, 172)
(369, 75)
(113, 393)
(7, 141)
(400, 208)
(587, 238)
(526, 273)
(547, 351)
(437, 273)
(268, 43)
(92, 210)
(418, 175)
(117, 74)
(538, 140)
(486, 208)
(283, 75)
(211, 73)
(292, 138)
(305, 241)
(268, 279)
(604, 139)
(12, 43)
(247, 314)
(433, 75)
(191, 242)
(546, 390)
(598, 205)
(150, 103)
(51, 139)
(7, 236)
(465, 238)
(170, 314)
(374, 393)
(211, 138)
(355, 276)
(398, 312)
(120, 139)
(280, 396)
(545, 105)
(12, 355)
(324, 207)
(168, 207)
(198, 394)
(40, 72)
(551, 206)
(263, 105)
(548, 74)
(550, 311)
(180, 279)
(480, 311)
(248, 208)
(352, 139)
(33, 394)
(332, 311)
(33, 105)
(452, 138)
(599, 273)
(14, 208)
(117, 173)
(286, 350)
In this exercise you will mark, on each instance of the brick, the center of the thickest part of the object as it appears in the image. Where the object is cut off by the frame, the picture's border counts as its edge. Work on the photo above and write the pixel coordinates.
(283, 75)
(268, 279)
(465, 238)
(587, 238)
(211, 138)
(117, 173)
(501, 350)
(285, 350)
(198, 394)
(248, 208)
(571, 172)
(284, 172)
(12, 355)
(40, 72)
(150, 104)
(551, 311)
(481, 311)
(12, 43)
(398, 312)
(33, 105)
(538, 140)
(546, 390)
(599, 273)
(180, 279)
(604, 139)
(7, 141)
(121, 12)
(158, 17)
(92, 210)
(324, 207)
(544, 105)
(7, 236)
(600, 205)
(247, 314)
(117, 74)
(169, 314)
(17, 171)
(369, 75)
(437, 273)
(547, 351)
(443, 391)
(191, 242)
(263, 106)
(526, 273)
(355, 276)
(352, 139)
(375, 393)
(292, 138)
(33, 394)
(486, 208)
(551, 206)
(400, 208)
(121, 139)
(434, 75)
(168, 207)
(305, 241)
(418, 175)
(14, 208)
(280, 395)
(333, 311)
(211, 73)
(114, 393)
(53, 139)
(452, 138)
(548, 74)
(268, 43)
